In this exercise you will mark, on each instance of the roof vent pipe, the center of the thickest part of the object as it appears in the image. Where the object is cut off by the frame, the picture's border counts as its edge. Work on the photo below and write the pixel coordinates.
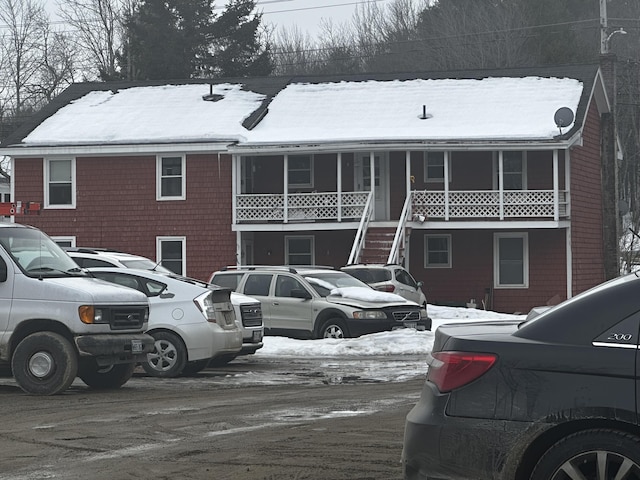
(424, 115)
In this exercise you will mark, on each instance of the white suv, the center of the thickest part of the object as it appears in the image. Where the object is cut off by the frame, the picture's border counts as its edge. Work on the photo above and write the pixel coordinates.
(248, 310)
(315, 302)
(389, 278)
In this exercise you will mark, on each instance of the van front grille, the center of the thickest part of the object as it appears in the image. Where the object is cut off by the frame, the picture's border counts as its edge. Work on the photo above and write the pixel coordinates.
(125, 318)
(251, 315)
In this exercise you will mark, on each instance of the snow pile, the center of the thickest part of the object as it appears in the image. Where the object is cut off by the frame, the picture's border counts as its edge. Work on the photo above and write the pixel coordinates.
(398, 342)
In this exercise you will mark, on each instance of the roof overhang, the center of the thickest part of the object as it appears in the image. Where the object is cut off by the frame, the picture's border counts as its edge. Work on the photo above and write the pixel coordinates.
(459, 145)
(23, 151)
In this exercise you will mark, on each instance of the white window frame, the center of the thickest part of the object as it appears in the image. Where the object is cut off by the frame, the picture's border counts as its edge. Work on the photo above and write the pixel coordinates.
(310, 169)
(496, 169)
(446, 163)
(47, 181)
(183, 177)
(312, 247)
(426, 251)
(183, 240)
(496, 259)
(70, 240)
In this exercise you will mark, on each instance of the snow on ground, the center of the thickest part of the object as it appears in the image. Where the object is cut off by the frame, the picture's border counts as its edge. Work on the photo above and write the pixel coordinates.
(397, 342)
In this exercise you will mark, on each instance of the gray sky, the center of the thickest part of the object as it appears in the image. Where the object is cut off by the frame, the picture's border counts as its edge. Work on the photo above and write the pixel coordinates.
(305, 14)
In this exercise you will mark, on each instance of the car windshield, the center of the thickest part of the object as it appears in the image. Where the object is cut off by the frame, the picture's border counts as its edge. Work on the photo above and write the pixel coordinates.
(324, 282)
(36, 253)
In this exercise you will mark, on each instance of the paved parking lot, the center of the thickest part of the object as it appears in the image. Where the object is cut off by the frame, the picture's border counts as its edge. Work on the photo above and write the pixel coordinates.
(257, 418)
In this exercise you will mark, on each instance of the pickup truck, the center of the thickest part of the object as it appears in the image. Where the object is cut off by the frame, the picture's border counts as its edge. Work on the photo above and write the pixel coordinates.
(58, 323)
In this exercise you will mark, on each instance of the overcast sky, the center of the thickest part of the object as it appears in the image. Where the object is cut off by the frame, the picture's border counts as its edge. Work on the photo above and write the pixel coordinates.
(305, 14)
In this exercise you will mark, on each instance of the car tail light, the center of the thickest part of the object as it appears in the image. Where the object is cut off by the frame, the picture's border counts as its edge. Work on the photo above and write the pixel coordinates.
(386, 288)
(451, 370)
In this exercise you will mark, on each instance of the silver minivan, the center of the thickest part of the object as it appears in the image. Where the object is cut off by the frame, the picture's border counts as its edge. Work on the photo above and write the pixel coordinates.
(314, 302)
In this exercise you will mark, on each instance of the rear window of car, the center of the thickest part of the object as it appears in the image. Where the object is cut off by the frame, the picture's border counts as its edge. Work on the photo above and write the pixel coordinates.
(370, 275)
(228, 280)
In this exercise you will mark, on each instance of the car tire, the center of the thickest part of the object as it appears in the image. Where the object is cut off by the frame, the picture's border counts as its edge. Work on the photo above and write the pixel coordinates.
(168, 358)
(588, 452)
(105, 378)
(333, 328)
(192, 368)
(44, 363)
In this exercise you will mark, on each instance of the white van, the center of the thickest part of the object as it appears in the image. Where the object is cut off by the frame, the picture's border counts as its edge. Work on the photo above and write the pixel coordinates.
(56, 322)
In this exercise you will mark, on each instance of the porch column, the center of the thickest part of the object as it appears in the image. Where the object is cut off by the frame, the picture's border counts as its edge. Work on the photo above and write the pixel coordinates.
(501, 184)
(236, 175)
(339, 185)
(285, 174)
(567, 183)
(569, 264)
(556, 187)
(238, 249)
(407, 168)
(372, 182)
(446, 184)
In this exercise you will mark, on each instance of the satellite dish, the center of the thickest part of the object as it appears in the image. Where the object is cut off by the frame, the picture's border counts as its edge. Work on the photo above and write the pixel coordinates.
(563, 117)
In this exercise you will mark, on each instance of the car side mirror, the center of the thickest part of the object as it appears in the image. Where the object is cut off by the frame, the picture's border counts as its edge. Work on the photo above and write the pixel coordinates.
(420, 283)
(300, 293)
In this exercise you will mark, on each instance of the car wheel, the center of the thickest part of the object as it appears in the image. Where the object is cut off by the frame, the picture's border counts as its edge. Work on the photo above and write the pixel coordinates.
(168, 358)
(192, 368)
(591, 454)
(44, 363)
(104, 378)
(333, 328)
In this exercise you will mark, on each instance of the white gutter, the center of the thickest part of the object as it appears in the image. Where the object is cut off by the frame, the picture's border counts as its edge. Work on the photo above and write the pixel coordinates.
(106, 149)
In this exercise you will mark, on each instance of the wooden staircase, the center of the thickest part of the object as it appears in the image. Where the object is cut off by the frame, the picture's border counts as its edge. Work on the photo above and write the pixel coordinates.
(377, 245)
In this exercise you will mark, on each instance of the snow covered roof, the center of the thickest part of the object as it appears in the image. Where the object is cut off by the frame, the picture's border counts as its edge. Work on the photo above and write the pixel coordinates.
(511, 106)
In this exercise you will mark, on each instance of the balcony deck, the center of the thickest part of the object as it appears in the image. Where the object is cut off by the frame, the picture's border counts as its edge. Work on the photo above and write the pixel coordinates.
(450, 206)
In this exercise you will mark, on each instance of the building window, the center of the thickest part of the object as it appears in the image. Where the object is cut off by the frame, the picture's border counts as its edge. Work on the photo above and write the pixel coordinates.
(59, 181)
(65, 241)
(437, 251)
(511, 260)
(514, 170)
(171, 253)
(300, 170)
(171, 178)
(299, 251)
(434, 167)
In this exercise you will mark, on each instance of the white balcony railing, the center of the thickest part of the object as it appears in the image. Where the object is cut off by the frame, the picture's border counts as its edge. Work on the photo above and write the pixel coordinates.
(452, 205)
(490, 204)
(296, 207)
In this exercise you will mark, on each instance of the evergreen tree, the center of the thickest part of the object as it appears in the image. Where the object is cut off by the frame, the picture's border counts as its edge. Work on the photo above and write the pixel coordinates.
(165, 39)
(235, 48)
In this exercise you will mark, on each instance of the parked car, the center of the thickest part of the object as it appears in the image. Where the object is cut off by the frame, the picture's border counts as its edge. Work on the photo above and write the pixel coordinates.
(248, 310)
(192, 323)
(87, 257)
(389, 278)
(314, 302)
(550, 398)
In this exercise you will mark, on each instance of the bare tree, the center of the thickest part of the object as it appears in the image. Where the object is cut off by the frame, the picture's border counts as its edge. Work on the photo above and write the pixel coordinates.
(26, 24)
(99, 27)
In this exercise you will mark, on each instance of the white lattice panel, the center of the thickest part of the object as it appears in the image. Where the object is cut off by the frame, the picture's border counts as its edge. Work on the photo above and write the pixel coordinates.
(259, 207)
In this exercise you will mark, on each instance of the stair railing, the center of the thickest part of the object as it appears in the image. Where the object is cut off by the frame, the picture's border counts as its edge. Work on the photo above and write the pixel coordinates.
(400, 236)
(358, 242)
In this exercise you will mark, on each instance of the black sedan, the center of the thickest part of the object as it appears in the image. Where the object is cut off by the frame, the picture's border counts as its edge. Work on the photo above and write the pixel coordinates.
(552, 398)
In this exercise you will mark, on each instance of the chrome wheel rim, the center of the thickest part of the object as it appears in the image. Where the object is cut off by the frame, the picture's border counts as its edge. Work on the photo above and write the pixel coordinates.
(163, 357)
(598, 465)
(41, 364)
(333, 331)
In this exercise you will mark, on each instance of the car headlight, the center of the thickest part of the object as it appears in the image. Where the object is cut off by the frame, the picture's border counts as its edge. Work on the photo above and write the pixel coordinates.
(370, 315)
(90, 315)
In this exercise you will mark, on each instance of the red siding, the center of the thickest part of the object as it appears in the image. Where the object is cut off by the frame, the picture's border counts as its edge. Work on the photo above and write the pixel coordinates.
(471, 274)
(117, 208)
(586, 208)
